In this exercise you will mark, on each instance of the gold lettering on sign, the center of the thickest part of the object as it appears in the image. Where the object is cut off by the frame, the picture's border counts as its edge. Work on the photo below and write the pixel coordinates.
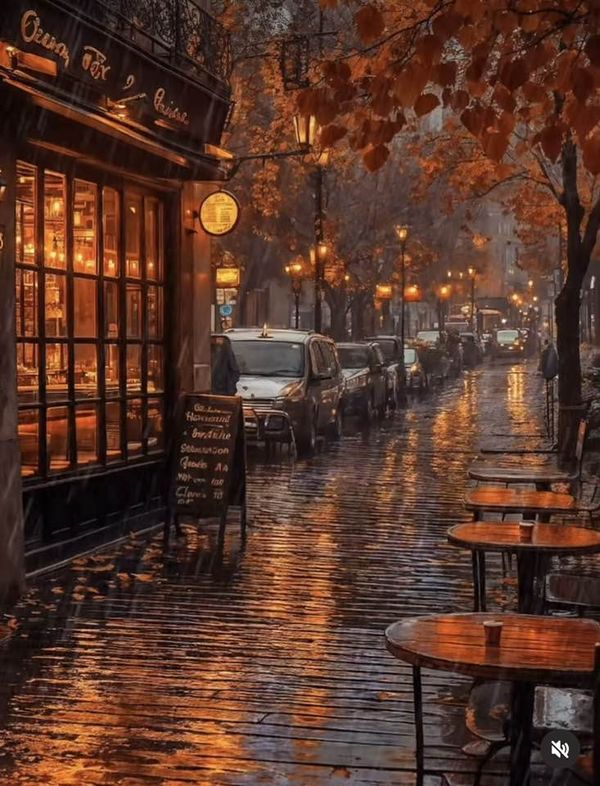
(95, 63)
(33, 33)
(168, 108)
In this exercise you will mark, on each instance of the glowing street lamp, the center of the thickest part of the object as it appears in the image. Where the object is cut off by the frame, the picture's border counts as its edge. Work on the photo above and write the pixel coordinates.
(295, 271)
(443, 296)
(305, 128)
(402, 233)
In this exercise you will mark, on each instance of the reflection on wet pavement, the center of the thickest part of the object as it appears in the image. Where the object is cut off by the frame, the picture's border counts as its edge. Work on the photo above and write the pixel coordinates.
(139, 667)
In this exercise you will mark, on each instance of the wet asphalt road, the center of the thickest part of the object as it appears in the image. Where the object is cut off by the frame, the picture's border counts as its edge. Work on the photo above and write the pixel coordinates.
(139, 667)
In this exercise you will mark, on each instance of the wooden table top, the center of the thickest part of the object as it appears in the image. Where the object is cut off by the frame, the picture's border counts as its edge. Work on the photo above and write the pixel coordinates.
(515, 500)
(491, 472)
(500, 536)
(552, 650)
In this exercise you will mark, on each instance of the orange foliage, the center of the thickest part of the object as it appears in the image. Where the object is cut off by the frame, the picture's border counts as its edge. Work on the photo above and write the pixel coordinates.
(498, 64)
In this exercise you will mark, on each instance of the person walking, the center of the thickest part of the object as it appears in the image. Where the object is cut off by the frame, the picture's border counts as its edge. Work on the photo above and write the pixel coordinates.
(224, 367)
(548, 360)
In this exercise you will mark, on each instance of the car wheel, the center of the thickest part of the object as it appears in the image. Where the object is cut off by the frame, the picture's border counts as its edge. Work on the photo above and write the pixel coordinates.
(307, 440)
(337, 427)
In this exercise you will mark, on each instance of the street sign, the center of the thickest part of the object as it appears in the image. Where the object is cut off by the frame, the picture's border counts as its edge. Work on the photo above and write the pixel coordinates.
(219, 213)
(226, 310)
(227, 277)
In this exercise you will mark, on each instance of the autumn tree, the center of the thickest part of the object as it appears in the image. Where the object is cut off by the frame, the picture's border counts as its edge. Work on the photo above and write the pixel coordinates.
(522, 78)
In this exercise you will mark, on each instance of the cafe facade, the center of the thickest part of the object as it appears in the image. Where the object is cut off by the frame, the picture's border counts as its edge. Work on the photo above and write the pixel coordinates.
(111, 116)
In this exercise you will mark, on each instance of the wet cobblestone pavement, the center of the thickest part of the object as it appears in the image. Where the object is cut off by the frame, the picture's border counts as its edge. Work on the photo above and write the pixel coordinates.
(138, 667)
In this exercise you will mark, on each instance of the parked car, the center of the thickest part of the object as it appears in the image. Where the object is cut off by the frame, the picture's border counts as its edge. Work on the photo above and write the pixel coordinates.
(416, 378)
(288, 378)
(366, 379)
(472, 349)
(391, 347)
(508, 343)
(433, 353)
(431, 338)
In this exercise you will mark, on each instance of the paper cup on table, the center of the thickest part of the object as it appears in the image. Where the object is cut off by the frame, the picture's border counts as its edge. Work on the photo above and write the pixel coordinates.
(526, 530)
(493, 632)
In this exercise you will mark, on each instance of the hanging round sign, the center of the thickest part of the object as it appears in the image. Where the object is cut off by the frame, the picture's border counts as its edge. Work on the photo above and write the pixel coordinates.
(219, 213)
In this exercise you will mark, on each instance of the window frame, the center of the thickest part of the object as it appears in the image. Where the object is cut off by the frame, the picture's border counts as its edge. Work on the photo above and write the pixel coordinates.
(101, 398)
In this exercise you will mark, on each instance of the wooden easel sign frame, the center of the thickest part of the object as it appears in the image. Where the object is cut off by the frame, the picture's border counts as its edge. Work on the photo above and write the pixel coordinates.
(208, 464)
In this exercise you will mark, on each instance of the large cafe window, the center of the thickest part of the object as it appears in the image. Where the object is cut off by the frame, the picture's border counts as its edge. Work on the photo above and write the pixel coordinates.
(90, 322)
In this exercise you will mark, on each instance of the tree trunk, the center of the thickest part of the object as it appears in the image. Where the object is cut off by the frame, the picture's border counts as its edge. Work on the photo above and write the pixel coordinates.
(568, 304)
(358, 317)
(338, 307)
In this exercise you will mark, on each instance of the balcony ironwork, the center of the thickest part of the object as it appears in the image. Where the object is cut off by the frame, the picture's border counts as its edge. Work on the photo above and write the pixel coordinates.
(176, 30)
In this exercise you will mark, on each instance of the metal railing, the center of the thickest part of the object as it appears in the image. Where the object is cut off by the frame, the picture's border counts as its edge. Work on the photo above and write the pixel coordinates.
(177, 30)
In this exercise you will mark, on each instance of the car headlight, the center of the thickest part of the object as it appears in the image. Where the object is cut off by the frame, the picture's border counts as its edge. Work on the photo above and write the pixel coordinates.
(293, 392)
(414, 369)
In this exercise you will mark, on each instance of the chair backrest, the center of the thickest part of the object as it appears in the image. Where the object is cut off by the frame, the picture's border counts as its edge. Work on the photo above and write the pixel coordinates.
(579, 447)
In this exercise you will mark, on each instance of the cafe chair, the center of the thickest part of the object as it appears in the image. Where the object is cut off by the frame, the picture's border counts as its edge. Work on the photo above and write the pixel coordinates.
(587, 767)
(487, 718)
(510, 470)
(577, 593)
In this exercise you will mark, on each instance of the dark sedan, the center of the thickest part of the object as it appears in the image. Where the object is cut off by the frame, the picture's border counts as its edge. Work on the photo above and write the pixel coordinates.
(366, 380)
(508, 344)
(391, 347)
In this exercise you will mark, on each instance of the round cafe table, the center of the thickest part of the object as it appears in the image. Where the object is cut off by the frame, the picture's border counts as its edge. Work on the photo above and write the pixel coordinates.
(532, 556)
(533, 650)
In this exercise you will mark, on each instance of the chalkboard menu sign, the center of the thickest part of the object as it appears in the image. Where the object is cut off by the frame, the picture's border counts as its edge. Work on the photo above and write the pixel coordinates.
(209, 465)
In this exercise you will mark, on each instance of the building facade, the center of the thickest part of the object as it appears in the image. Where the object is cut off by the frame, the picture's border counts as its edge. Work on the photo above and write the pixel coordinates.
(110, 124)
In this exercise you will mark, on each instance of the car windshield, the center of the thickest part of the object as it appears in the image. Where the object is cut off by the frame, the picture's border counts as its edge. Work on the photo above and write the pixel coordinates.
(353, 357)
(430, 336)
(388, 347)
(507, 336)
(410, 357)
(265, 358)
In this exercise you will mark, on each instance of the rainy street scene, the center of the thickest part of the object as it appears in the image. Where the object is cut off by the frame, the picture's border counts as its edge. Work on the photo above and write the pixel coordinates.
(300, 393)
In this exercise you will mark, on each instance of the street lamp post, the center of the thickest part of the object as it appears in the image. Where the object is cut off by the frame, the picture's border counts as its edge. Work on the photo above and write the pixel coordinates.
(443, 295)
(402, 232)
(472, 276)
(294, 271)
(318, 256)
(306, 128)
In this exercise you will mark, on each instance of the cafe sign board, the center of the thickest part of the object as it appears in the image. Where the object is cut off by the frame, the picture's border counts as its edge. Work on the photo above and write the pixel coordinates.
(97, 68)
(219, 213)
(209, 461)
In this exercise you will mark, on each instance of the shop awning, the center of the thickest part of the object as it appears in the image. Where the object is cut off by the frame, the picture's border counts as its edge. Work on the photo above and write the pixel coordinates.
(54, 121)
